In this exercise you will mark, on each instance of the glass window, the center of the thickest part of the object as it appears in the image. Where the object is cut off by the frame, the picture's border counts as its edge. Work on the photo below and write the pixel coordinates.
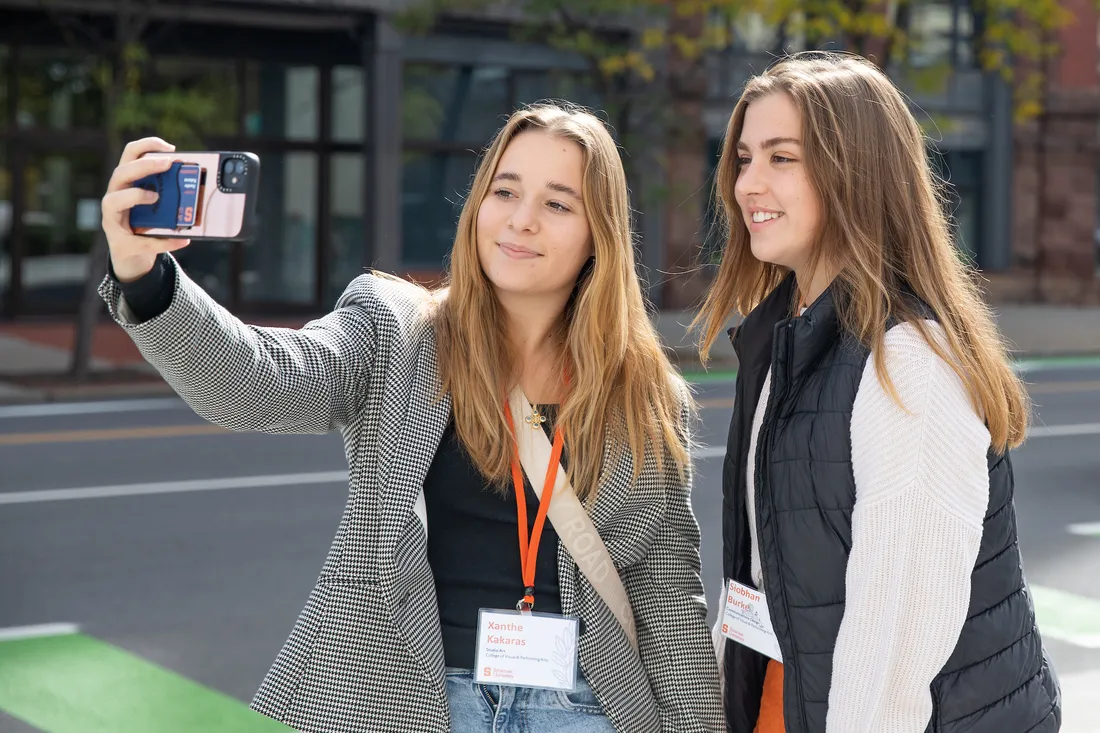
(941, 33)
(532, 86)
(5, 226)
(207, 263)
(434, 188)
(57, 90)
(962, 172)
(60, 220)
(465, 104)
(5, 60)
(280, 258)
(348, 234)
(348, 104)
(281, 101)
(206, 92)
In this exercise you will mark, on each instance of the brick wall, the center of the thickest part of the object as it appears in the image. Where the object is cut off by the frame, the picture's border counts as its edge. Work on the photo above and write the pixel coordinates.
(1054, 214)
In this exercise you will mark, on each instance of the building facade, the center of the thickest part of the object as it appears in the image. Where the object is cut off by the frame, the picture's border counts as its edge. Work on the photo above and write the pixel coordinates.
(368, 138)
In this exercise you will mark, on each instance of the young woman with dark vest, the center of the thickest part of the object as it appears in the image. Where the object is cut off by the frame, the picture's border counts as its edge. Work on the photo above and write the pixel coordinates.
(874, 579)
(528, 401)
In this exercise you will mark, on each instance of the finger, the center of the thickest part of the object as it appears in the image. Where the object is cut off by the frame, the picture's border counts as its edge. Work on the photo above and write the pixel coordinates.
(126, 173)
(174, 244)
(115, 203)
(138, 148)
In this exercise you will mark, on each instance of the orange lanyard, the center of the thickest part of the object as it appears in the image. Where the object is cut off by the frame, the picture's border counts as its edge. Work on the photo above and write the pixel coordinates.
(529, 550)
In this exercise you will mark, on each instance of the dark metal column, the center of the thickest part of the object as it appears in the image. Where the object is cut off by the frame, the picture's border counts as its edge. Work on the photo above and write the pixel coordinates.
(995, 248)
(383, 61)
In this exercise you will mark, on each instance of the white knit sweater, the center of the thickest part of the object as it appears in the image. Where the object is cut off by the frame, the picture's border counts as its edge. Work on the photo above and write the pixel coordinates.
(922, 489)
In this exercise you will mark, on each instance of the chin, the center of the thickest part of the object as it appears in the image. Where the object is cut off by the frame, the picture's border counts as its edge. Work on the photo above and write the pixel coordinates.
(768, 253)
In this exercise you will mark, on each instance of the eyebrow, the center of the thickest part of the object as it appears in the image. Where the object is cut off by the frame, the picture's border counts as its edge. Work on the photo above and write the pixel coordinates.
(552, 185)
(773, 142)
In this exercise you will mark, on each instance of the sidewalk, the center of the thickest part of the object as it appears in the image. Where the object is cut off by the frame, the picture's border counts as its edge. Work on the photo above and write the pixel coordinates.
(34, 356)
(1035, 331)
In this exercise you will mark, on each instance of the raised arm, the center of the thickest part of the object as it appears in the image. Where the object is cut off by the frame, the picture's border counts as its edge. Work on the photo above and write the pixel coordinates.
(242, 377)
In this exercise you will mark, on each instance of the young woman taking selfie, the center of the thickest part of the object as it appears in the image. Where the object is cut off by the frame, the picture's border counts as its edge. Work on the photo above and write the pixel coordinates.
(868, 480)
(456, 408)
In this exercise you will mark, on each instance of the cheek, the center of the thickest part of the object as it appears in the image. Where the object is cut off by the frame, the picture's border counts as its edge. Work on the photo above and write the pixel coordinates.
(484, 216)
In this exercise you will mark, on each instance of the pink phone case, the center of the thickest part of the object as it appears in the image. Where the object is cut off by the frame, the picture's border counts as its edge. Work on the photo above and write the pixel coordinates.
(227, 196)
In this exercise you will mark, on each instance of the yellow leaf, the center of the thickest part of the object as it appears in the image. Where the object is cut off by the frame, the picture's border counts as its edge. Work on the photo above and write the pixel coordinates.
(653, 38)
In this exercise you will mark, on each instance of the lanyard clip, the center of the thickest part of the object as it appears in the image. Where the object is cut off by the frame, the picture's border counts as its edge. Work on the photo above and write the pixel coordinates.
(526, 603)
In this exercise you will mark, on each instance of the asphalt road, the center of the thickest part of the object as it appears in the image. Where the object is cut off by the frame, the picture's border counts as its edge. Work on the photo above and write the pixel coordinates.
(206, 579)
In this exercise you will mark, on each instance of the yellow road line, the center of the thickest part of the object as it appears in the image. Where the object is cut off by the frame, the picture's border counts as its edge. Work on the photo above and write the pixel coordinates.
(82, 436)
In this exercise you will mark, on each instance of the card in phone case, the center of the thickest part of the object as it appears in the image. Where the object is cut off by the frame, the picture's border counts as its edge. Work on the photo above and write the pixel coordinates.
(189, 178)
(177, 206)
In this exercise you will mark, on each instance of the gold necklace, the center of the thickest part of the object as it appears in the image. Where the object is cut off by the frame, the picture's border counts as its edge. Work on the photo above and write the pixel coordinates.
(535, 419)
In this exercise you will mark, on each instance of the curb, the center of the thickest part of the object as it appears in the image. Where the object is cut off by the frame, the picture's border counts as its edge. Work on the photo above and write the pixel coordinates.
(721, 370)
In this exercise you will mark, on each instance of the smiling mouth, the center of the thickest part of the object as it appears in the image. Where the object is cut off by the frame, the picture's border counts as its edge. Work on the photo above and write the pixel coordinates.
(513, 250)
(759, 217)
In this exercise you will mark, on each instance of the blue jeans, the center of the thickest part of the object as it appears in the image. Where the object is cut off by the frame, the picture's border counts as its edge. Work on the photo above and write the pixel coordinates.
(501, 709)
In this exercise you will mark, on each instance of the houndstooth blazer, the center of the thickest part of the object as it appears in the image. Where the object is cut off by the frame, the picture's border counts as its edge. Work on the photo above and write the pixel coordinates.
(366, 653)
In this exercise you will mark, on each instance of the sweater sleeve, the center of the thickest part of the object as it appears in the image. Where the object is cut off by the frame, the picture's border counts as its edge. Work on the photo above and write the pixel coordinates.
(922, 490)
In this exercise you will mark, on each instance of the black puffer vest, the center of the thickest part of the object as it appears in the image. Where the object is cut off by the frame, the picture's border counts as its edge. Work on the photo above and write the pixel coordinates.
(998, 679)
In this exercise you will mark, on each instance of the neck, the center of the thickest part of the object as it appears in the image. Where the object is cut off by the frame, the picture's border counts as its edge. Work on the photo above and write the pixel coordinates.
(812, 284)
(533, 325)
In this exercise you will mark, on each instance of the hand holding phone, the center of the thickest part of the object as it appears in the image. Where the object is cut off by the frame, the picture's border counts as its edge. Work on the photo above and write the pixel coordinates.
(201, 196)
(132, 255)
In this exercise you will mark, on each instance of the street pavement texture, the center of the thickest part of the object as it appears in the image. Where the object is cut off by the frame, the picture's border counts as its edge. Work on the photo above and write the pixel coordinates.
(152, 564)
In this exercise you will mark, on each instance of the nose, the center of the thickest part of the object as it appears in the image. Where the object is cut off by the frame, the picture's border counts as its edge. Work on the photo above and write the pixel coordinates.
(750, 181)
(524, 216)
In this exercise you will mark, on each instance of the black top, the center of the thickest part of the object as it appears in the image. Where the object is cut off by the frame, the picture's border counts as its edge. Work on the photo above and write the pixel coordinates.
(473, 545)
(473, 539)
(151, 294)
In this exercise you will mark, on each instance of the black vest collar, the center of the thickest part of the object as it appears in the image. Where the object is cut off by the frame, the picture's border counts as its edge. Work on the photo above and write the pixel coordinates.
(808, 336)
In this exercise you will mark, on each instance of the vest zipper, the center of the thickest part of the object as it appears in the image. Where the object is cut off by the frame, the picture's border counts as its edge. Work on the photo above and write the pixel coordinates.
(765, 441)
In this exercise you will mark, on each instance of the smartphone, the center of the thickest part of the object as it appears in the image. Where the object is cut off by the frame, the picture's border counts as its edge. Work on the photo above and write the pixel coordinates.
(203, 196)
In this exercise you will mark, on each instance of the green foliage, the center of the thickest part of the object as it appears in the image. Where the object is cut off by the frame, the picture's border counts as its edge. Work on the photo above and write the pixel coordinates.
(1018, 40)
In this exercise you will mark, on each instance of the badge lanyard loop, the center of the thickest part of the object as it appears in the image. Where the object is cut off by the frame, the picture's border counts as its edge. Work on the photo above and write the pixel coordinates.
(529, 550)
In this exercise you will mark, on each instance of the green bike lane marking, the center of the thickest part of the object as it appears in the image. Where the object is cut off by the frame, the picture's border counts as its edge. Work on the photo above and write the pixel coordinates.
(1067, 617)
(72, 683)
(69, 682)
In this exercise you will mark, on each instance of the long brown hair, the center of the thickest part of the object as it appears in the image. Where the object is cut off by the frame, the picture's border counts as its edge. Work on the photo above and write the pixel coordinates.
(621, 379)
(883, 227)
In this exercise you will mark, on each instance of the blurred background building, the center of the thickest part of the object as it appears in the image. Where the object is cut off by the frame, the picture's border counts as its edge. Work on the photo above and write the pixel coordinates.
(368, 136)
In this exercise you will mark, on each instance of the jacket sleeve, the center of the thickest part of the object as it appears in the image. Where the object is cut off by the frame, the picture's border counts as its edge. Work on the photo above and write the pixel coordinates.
(242, 377)
(674, 640)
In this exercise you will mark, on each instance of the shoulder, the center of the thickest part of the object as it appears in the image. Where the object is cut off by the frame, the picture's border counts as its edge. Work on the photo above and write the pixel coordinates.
(920, 388)
(908, 355)
(388, 301)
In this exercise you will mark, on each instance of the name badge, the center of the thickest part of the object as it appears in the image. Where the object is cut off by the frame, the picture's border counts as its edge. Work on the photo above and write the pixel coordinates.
(526, 649)
(745, 619)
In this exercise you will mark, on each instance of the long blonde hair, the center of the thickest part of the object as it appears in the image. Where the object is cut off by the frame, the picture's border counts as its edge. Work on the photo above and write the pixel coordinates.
(622, 384)
(883, 226)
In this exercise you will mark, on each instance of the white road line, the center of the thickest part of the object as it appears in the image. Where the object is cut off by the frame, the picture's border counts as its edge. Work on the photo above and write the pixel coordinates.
(12, 633)
(1063, 431)
(1081, 695)
(53, 409)
(1086, 529)
(173, 487)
